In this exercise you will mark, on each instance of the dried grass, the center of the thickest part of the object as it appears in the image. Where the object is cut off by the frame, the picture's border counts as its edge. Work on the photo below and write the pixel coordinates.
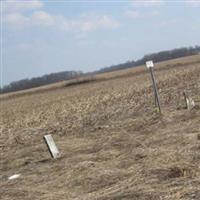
(113, 144)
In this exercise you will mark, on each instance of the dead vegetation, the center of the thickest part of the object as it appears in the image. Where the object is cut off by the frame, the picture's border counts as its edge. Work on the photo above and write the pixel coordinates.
(113, 144)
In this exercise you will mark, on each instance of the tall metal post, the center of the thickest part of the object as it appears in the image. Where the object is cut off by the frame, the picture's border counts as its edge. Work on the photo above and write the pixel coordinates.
(150, 65)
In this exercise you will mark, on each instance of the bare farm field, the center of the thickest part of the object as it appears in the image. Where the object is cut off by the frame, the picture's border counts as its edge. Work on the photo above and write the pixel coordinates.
(113, 143)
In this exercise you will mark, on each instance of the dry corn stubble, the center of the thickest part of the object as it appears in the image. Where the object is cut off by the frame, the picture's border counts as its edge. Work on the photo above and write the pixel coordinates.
(113, 144)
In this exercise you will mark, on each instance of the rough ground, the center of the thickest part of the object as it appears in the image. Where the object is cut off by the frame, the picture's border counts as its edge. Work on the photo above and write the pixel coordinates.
(114, 145)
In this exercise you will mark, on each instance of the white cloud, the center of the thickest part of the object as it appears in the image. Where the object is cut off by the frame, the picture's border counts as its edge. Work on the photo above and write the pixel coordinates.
(43, 19)
(169, 23)
(194, 3)
(107, 22)
(89, 24)
(21, 21)
(147, 3)
(15, 17)
(17, 20)
(21, 5)
(135, 14)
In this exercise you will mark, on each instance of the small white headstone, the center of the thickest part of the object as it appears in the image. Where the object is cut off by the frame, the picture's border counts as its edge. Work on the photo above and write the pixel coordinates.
(52, 146)
(149, 64)
(190, 103)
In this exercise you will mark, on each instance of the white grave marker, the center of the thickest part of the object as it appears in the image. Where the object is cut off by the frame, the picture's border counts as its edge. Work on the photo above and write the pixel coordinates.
(52, 146)
(190, 104)
(149, 64)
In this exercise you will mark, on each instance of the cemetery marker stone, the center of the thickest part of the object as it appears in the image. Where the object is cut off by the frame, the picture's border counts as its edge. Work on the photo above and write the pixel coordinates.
(52, 146)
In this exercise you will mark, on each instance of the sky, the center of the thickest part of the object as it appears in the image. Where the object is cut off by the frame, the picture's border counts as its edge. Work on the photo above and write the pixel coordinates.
(44, 36)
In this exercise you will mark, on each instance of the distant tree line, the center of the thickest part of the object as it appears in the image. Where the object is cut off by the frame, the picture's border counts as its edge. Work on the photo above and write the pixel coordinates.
(66, 75)
(39, 81)
(156, 57)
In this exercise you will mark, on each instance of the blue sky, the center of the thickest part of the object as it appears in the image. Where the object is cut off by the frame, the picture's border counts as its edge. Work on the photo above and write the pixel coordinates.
(40, 37)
